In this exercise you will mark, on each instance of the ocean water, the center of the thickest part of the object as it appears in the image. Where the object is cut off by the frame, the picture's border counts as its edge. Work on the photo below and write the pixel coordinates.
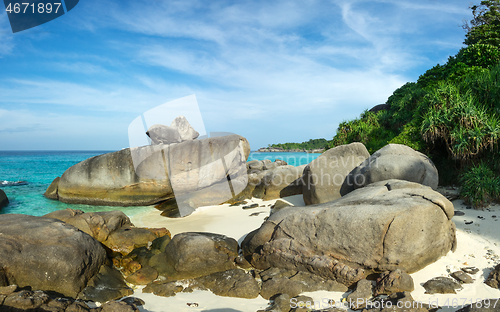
(25, 175)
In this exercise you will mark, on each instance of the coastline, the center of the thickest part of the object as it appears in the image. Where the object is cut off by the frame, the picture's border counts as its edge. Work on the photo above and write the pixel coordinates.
(478, 246)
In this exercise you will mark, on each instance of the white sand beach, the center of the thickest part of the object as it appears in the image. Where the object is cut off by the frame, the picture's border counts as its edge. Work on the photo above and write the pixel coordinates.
(478, 246)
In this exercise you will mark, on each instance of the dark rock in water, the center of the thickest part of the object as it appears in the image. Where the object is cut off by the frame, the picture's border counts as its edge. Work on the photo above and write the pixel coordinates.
(107, 285)
(4, 201)
(441, 285)
(493, 279)
(13, 183)
(51, 191)
(150, 174)
(182, 260)
(143, 276)
(232, 283)
(470, 270)
(391, 282)
(459, 213)
(359, 297)
(168, 289)
(281, 281)
(48, 254)
(366, 230)
(462, 277)
(393, 161)
(324, 176)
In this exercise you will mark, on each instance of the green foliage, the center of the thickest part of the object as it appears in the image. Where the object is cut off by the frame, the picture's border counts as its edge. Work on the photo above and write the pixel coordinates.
(480, 185)
(309, 145)
(485, 25)
(470, 60)
(367, 130)
(411, 137)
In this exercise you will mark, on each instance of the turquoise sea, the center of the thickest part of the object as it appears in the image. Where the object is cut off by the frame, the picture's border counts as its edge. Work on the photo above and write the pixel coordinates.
(25, 175)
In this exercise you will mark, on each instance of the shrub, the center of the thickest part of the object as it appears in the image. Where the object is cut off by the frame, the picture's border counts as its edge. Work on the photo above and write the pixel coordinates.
(480, 185)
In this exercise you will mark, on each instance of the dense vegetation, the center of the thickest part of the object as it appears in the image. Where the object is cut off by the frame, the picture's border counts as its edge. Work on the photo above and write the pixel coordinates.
(452, 113)
(309, 145)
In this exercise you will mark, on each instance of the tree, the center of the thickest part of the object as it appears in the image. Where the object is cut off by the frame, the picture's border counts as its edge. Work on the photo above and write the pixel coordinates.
(484, 28)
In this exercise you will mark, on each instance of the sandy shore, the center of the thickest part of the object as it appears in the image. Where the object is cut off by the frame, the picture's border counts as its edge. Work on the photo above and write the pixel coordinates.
(478, 246)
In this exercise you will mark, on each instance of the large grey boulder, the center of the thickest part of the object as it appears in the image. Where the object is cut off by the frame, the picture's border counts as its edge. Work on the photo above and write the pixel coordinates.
(282, 182)
(150, 174)
(4, 201)
(186, 132)
(393, 161)
(192, 255)
(382, 227)
(47, 254)
(324, 176)
(161, 134)
(51, 191)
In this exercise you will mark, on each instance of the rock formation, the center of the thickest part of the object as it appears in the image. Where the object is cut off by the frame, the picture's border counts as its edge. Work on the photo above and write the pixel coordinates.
(387, 225)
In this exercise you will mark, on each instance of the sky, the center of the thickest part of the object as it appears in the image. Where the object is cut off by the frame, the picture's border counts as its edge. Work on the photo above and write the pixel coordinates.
(271, 71)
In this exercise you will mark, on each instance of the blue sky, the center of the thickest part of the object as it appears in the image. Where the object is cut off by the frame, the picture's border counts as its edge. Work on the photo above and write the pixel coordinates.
(271, 71)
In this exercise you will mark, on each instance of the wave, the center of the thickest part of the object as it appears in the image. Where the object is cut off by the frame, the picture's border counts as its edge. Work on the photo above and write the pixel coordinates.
(13, 183)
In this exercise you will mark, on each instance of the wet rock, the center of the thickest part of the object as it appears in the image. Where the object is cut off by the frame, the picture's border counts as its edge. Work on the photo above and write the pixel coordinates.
(441, 285)
(251, 206)
(394, 281)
